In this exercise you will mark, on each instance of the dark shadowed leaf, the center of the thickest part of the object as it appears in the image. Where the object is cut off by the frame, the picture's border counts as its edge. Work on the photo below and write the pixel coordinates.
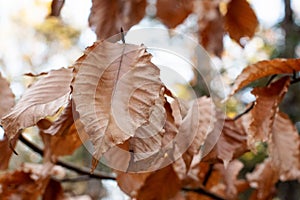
(42, 99)
(173, 12)
(54, 191)
(240, 20)
(108, 16)
(265, 68)
(263, 179)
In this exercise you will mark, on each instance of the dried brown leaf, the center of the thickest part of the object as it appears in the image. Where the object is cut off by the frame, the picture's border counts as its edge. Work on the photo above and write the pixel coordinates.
(54, 190)
(56, 7)
(7, 101)
(284, 148)
(263, 179)
(264, 110)
(198, 123)
(42, 99)
(240, 20)
(231, 144)
(108, 16)
(131, 183)
(155, 186)
(115, 91)
(210, 22)
(265, 68)
(25, 183)
(173, 12)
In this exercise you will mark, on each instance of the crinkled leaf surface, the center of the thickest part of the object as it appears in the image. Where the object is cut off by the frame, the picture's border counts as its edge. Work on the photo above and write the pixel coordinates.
(264, 110)
(42, 99)
(115, 91)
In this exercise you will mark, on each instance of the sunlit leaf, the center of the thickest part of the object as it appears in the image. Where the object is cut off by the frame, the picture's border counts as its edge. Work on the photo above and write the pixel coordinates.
(108, 16)
(265, 68)
(7, 101)
(42, 99)
(240, 20)
(115, 91)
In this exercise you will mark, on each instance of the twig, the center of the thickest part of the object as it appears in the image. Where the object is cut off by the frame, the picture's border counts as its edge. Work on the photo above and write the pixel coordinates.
(122, 35)
(296, 80)
(79, 170)
(207, 175)
(204, 192)
(245, 112)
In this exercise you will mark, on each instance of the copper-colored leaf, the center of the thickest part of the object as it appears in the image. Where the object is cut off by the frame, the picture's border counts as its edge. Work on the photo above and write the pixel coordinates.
(232, 142)
(25, 183)
(263, 178)
(264, 110)
(108, 16)
(284, 148)
(173, 12)
(230, 178)
(240, 20)
(56, 7)
(265, 68)
(131, 183)
(42, 99)
(62, 133)
(210, 24)
(115, 91)
(155, 186)
(7, 100)
(196, 125)
(53, 191)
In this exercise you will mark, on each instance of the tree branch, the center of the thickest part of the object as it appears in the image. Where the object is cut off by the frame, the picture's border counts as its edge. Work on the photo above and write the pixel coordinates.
(75, 168)
(204, 192)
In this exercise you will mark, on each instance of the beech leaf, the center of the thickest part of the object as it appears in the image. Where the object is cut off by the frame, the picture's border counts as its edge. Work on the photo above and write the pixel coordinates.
(42, 99)
(265, 68)
(108, 16)
(284, 148)
(210, 23)
(7, 101)
(264, 110)
(115, 92)
(56, 7)
(263, 179)
(240, 20)
(173, 12)
(231, 144)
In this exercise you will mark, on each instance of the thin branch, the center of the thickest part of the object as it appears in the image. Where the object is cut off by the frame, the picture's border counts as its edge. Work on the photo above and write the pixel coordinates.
(296, 80)
(208, 174)
(245, 112)
(204, 192)
(75, 168)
